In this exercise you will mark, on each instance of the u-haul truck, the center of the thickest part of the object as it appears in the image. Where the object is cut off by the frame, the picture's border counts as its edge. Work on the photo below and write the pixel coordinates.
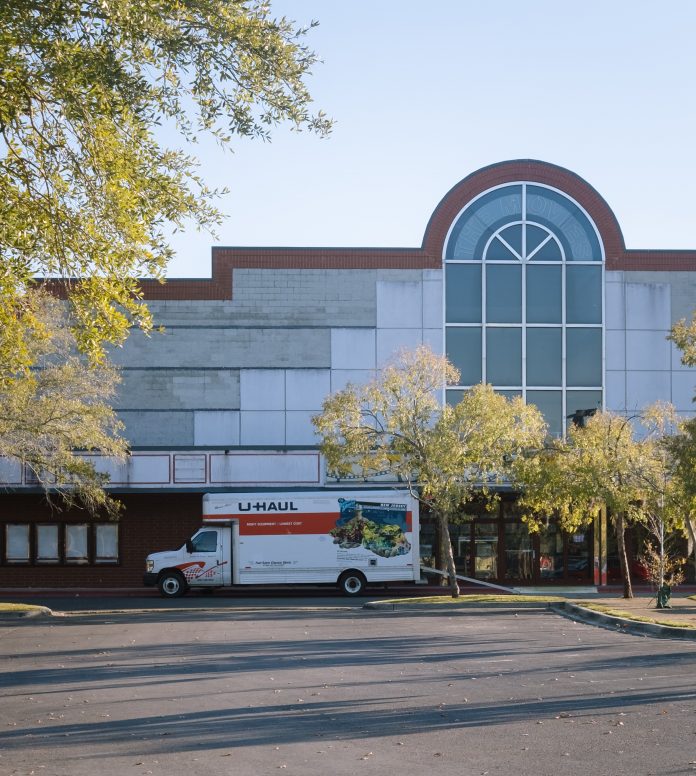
(343, 538)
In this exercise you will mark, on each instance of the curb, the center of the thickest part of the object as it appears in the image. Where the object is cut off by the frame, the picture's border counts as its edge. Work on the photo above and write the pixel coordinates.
(387, 606)
(634, 627)
(23, 614)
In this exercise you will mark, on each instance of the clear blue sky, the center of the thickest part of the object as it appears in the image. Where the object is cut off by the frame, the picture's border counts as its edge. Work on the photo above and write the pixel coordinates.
(424, 93)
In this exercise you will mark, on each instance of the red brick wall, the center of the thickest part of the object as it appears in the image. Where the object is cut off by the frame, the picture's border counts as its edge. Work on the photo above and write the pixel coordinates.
(149, 523)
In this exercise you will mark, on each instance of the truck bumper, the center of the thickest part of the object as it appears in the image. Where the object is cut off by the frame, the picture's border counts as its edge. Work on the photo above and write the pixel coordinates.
(149, 579)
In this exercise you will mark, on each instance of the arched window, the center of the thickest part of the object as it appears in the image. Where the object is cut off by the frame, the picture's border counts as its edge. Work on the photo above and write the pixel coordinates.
(523, 299)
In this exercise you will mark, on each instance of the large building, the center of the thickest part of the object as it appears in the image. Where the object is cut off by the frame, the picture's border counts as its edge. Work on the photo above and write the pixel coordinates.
(523, 279)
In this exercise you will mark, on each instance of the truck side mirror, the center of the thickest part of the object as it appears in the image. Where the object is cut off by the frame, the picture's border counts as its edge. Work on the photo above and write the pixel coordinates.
(189, 546)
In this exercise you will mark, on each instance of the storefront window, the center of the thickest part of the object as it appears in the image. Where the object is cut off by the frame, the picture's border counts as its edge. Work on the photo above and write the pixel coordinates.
(106, 540)
(47, 544)
(76, 543)
(518, 553)
(17, 543)
(486, 550)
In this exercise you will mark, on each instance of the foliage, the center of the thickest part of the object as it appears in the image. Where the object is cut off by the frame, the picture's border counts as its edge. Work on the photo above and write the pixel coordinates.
(608, 464)
(447, 456)
(86, 190)
(59, 407)
(661, 566)
(683, 335)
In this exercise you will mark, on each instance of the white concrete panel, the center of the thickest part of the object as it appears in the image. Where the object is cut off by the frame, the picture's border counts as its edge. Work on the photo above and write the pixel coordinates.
(615, 342)
(299, 429)
(615, 391)
(432, 304)
(647, 350)
(435, 340)
(399, 303)
(190, 468)
(341, 377)
(216, 428)
(683, 391)
(262, 389)
(615, 305)
(137, 469)
(352, 348)
(262, 428)
(265, 468)
(643, 388)
(648, 306)
(306, 389)
(390, 341)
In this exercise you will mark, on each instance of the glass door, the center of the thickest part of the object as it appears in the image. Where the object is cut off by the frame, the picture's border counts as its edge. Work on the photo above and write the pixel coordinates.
(486, 550)
(519, 553)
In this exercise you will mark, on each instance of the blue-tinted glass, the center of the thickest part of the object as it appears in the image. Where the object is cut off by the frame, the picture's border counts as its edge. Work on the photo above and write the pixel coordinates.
(453, 397)
(509, 394)
(583, 357)
(544, 356)
(498, 251)
(535, 236)
(544, 295)
(481, 220)
(551, 407)
(503, 293)
(584, 294)
(504, 356)
(565, 219)
(549, 251)
(582, 400)
(464, 351)
(463, 293)
(513, 237)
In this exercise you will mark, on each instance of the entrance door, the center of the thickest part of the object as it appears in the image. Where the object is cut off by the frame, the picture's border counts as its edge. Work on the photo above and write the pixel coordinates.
(519, 553)
(485, 551)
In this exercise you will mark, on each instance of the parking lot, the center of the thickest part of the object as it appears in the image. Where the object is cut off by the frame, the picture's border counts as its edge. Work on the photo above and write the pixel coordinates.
(322, 686)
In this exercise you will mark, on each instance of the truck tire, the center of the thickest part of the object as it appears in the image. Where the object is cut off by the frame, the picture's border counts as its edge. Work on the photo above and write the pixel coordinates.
(352, 583)
(171, 584)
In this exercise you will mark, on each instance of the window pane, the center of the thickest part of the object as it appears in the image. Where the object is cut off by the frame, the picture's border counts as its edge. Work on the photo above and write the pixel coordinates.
(463, 293)
(565, 219)
(510, 394)
(584, 357)
(107, 542)
(544, 294)
(482, 219)
(513, 237)
(503, 293)
(504, 356)
(76, 543)
(464, 351)
(544, 356)
(205, 542)
(550, 405)
(17, 543)
(47, 543)
(582, 400)
(584, 294)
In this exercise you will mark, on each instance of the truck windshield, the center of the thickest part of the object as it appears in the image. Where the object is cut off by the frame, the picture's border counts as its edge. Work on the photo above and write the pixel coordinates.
(206, 541)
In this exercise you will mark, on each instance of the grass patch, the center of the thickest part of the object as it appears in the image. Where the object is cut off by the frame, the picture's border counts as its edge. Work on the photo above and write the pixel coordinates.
(19, 608)
(603, 609)
(484, 598)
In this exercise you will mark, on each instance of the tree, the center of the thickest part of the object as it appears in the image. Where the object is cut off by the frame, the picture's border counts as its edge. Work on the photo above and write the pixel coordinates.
(605, 463)
(86, 190)
(683, 335)
(447, 456)
(60, 407)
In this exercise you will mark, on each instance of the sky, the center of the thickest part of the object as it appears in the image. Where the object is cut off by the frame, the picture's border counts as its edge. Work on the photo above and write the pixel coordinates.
(425, 93)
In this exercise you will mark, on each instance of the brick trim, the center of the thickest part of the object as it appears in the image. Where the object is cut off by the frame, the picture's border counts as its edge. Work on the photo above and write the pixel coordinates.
(429, 256)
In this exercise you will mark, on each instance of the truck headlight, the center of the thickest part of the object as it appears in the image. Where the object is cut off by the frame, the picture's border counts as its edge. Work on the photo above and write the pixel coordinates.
(149, 566)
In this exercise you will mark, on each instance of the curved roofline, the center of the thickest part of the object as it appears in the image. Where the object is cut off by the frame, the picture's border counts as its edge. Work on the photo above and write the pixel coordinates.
(532, 171)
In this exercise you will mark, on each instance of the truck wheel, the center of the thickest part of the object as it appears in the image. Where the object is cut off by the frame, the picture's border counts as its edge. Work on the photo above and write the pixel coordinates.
(352, 583)
(171, 584)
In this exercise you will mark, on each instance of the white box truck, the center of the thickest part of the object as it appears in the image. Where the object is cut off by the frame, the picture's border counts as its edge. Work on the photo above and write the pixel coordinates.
(343, 538)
